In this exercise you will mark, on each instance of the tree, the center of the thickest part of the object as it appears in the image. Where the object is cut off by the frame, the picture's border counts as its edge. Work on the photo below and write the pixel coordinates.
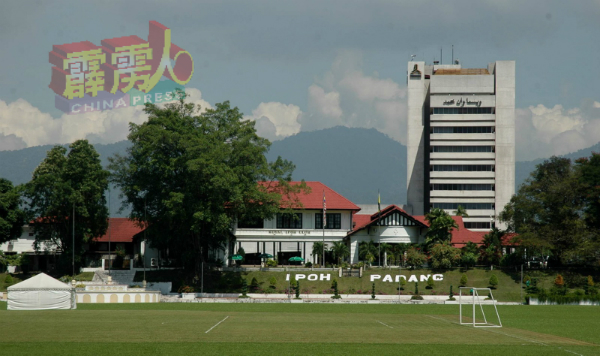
(12, 217)
(317, 250)
(546, 213)
(68, 189)
(491, 247)
(460, 211)
(195, 174)
(440, 227)
(386, 249)
(444, 255)
(493, 281)
(463, 280)
(367, 250)
(415, 258)
(589, 178)
(430, 283)
(339, 249)
(468, 259)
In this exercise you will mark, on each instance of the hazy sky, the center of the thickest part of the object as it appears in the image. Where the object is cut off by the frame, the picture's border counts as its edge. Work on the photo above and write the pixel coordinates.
(304, 65)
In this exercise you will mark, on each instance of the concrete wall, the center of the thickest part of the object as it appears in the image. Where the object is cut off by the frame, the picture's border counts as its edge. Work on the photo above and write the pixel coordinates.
(415, 147)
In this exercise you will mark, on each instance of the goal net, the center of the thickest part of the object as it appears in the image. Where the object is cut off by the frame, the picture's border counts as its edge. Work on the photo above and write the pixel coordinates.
(478, 307)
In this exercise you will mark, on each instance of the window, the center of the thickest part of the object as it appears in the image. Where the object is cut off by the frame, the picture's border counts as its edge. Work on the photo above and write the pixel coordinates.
(334, 221)
(451, 111)
(289, 221)
(462, 168)
(468, 206)
(477, 225)
(461, 129)
(461, 149)
(461, 187)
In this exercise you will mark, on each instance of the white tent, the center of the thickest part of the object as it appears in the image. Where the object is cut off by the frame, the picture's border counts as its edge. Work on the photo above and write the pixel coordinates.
(41, 292)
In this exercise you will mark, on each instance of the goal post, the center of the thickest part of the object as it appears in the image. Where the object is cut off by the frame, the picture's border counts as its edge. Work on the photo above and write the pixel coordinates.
(473, 302)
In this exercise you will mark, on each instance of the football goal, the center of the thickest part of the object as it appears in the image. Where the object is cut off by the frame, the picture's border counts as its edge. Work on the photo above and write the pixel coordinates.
(478, 308)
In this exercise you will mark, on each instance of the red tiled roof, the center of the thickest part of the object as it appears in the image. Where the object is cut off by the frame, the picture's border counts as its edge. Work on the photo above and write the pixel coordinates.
(314, 199)
(120, 230)
(461, 236)
(363, 220)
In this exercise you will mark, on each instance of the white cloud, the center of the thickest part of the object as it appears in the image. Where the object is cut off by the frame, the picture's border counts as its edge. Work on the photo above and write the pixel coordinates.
(542, 132)
(283, 118)
(23, 125)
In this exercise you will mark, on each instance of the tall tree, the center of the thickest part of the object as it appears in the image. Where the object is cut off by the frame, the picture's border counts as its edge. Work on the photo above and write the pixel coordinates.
(367, 250)
(11, 214)
(194, 173)
(339, 249)
(62, 185)
(547, 210)
(461, 211)
(491, 247)
(589, 178)
(317, 250)
(440, 227)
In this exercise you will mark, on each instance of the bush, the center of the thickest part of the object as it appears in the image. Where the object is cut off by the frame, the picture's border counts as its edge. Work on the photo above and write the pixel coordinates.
(493, 281)
(308, 264)
(271, 263)
(416, 288)
(430, 283)
(186, 289)
(334, 286)
(402, 283)
(8, 280)
(464, 280)
(559, 281)
(254, 285)
(373, 291)
(272, 282)
(416, 297)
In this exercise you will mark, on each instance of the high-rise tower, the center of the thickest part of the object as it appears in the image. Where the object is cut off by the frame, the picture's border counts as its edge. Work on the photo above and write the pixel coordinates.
(461, 139)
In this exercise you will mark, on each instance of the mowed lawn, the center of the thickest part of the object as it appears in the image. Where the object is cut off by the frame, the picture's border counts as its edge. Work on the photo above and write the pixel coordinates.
(296, 329)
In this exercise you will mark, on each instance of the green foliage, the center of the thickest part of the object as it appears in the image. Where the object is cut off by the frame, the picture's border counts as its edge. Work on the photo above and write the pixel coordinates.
(440, 227)
(297, 289)
(451, 294)
(464, 280)
(186, 289)
(12, 217)
(66, 188)
(491, 247)
(493, 281)
(430, 283)
(402, 283)
(244, 288)
(273, 282)
(416, 288)
(317, 250)
(8, 279)
(334, 286)
(373, 291)
(547, 210)
(468, 259)
(340, 250)
(196, 173)
(367, 251)
(254, 285)
(460, 211)
(444, 255)
(415, 258)
(271, 263)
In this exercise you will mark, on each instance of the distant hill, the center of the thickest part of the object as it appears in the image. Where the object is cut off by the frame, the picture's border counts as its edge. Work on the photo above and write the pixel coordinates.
(354, 162)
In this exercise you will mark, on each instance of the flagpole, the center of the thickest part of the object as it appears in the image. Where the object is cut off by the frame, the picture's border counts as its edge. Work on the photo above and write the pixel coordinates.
(323, 225)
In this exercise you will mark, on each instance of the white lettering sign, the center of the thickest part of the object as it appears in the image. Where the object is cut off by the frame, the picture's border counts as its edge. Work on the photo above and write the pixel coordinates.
(310, 277)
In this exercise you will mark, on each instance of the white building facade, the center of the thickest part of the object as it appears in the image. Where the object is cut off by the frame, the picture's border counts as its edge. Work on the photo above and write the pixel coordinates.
(461, 139)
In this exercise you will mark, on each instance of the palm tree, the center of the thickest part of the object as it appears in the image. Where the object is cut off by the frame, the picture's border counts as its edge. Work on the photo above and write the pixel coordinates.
(440, 227)
(385, 247)
(460, 211)
(367, 251)
(317, 250)
(340, 251)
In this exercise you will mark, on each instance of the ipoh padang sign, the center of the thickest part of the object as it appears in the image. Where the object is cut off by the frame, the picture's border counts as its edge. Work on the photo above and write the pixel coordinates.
(374, 277)
(122, 72)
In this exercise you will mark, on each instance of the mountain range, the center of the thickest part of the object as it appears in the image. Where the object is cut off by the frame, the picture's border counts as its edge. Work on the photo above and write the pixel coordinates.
(357, 163)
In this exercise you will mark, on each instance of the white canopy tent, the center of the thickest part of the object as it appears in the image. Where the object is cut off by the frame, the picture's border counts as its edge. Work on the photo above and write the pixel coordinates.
(40, 293)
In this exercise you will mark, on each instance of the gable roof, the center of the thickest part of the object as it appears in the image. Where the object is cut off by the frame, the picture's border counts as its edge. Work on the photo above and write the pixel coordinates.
(41, 281)
(314, 199)
(363, 221)
(462, 235)
(120, 230)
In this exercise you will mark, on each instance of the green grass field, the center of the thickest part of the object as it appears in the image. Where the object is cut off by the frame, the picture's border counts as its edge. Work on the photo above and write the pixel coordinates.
(296, 329)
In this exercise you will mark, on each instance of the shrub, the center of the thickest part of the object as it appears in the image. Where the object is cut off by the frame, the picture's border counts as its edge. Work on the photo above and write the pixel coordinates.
(373, 291)
(559, 281)
(298, 290)
(451, 294)
(186, 289)
(254, 285)
(244, 287)
(402, 283)
(430, 283)
(416, 288)
(334, 286)
(8, 280)
(416, 297)
(271, 263)
(493, 281)
(272, 282)
(308, 264)
(590, 289)
(463, 280)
